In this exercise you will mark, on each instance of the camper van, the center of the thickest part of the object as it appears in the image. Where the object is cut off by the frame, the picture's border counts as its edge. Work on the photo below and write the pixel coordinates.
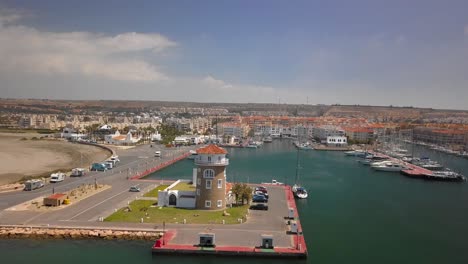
(33, 184)
(109, 164)
(115, 158)
(57, 177)
(78, 172)
(157, 153)
(98, 167)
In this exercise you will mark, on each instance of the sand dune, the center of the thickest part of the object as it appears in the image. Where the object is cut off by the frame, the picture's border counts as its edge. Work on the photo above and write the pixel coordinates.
(19, 158)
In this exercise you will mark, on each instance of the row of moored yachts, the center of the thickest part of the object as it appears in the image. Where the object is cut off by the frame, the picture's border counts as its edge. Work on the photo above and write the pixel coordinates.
(433, 170)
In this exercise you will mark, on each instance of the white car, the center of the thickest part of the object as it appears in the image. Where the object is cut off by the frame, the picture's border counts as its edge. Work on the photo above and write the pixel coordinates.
(157, 153)
(134, 189)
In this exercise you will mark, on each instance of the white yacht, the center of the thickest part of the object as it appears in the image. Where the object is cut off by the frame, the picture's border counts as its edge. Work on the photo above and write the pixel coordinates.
(379, 163)
(356, 153)
(389, 166)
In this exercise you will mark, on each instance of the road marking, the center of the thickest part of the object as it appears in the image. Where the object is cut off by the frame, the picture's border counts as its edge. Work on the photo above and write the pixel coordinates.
(84, 211)
(32, 218)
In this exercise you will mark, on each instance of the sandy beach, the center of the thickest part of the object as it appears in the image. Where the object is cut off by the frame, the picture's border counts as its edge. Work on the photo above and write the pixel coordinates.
(19, 158)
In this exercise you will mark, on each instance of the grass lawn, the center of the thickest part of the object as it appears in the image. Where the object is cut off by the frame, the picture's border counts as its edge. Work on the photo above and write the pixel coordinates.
(184, 186)
(154, 192)
(141, 209)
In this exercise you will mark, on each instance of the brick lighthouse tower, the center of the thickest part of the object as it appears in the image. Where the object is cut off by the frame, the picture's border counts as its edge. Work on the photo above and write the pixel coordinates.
(211, 164)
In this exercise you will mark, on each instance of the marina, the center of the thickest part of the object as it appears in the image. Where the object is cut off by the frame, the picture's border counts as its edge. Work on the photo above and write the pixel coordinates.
(334, 207)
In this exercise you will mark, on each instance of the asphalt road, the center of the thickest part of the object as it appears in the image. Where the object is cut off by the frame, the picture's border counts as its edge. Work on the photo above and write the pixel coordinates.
(132, 161)
(85, 213)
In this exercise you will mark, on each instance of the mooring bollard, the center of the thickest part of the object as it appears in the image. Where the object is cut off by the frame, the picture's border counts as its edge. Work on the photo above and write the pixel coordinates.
(224, 221)
(185, 221)
(141, 220)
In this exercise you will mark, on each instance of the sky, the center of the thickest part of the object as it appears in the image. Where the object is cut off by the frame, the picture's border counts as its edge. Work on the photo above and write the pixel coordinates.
(367, 52)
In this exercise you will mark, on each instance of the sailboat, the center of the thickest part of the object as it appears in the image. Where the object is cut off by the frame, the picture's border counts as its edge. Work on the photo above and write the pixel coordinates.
(298, 191)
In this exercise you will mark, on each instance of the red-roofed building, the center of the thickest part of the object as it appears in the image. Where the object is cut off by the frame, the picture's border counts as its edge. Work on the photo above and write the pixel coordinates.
(211, 178)
(361, 134)
(211, 149)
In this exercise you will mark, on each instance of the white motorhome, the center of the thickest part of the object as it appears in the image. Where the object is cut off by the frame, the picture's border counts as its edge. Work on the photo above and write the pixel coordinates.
(78, 172)
(115, 158)
(109, 164)
(57, 177)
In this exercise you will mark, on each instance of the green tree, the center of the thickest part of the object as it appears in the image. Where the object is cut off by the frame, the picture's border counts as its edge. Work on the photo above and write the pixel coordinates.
(246, 193)
(237, 191)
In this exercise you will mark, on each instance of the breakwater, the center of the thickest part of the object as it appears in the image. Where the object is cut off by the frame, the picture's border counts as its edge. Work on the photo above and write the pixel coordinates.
(15, 232)
(159, 167)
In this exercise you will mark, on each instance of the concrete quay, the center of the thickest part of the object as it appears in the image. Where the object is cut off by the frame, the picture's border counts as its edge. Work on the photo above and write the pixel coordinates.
(243, 239)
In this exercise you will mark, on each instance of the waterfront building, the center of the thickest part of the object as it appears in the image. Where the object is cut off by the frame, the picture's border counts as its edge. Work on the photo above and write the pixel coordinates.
(233, 129)
(118, 139)
(337, 141)
(323, 132)
(208, 189)
(440, 136)
(360, 134)
(210, 182)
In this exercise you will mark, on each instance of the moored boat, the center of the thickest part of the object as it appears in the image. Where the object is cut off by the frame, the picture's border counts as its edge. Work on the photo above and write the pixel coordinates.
(444, 176)
(389, 166)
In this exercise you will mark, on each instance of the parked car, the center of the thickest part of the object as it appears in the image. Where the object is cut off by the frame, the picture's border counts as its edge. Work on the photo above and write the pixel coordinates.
(157, 153)
(261, 194)
(115, 158)
(134, 189)
(109, 164)
(261, 189)
(98, 167)
(259, 206)
(259, 199)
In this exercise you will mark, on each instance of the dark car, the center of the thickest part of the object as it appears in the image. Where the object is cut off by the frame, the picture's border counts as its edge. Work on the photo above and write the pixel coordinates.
(259, 199)
(261, 194)
(259, 207)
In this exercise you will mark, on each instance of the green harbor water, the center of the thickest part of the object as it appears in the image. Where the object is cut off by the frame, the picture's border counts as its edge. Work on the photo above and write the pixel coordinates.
(352, 215)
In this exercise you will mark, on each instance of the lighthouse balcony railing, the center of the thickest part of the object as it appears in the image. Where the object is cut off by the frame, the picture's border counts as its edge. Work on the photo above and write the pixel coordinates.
(221, 162)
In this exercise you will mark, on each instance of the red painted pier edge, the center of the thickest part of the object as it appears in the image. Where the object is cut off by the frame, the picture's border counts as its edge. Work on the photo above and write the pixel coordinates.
(159, 167)
(298, 249)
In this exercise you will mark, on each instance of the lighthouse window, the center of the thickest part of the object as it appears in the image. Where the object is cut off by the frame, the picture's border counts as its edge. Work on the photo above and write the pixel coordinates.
(208, 174)
(220, 203)
(208, 203)
(208, 184)
(220, 184)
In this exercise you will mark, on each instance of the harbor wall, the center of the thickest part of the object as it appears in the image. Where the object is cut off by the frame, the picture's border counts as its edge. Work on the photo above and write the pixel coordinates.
(15, 232)
(159, 167)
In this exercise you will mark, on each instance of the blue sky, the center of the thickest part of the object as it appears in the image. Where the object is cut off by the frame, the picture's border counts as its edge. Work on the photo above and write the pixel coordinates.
(349, 52)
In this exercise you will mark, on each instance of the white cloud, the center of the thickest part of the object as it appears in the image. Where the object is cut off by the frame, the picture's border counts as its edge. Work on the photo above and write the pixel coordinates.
(215, 83)
(26, 49)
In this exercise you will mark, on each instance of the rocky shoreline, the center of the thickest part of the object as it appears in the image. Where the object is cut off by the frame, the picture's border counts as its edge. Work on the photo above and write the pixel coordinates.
(73, 233)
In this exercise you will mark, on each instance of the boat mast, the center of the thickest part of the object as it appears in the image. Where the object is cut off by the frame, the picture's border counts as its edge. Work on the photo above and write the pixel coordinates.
(297, 167)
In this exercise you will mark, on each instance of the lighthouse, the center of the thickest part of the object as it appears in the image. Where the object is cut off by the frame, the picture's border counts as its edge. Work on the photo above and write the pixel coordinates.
(211, 165)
